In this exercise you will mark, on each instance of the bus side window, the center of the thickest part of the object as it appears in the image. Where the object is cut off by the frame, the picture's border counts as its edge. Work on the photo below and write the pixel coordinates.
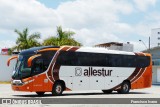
(143, 61)
(38, 66)
(119, 61)
(72, 58)
(45, 64)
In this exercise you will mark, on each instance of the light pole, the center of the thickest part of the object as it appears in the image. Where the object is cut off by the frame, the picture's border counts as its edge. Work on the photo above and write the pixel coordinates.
(148, 48)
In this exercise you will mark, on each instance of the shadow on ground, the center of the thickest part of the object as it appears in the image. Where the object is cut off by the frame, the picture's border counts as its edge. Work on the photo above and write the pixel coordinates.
(75, 94)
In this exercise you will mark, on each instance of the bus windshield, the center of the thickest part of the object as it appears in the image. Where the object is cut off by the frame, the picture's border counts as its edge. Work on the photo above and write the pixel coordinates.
(21, 69)
(39, 65)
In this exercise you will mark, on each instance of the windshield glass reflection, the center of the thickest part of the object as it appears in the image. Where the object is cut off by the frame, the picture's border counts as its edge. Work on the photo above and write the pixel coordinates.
(21, 69)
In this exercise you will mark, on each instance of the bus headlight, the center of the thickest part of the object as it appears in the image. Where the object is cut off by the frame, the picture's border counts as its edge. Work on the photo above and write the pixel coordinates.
(17, 82)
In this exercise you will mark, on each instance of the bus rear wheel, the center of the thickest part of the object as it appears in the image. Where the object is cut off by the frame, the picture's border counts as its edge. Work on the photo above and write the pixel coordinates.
(40, 93)
(57, 89)
(125, 88)
(107, 91)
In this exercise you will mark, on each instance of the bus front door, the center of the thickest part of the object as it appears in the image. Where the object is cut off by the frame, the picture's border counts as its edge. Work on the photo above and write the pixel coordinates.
(38, 84)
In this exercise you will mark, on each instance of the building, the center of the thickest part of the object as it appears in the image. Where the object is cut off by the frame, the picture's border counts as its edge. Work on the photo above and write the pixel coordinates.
(155, 52)
(155, 37)
(117, 46)
(6, 51)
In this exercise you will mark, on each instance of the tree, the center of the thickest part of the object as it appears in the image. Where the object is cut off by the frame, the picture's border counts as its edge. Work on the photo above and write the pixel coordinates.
(63, 38)
(50, 41)
(25, 41)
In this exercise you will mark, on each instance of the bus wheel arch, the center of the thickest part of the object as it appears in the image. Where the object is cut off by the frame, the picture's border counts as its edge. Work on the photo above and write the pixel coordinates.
(125, 87)
(58, 87)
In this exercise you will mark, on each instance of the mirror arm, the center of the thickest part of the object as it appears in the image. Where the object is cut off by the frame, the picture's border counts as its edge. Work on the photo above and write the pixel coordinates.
(13, 57)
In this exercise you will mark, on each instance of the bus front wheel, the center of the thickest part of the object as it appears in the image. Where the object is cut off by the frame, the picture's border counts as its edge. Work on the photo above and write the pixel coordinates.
(57, 89)
(40, 93)
(125, 88)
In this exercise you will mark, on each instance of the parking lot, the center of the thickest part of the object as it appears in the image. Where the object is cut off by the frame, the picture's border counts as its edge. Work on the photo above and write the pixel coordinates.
(153, 92)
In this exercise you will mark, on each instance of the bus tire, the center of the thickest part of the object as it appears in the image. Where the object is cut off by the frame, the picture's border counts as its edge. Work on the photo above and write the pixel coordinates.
(40, 93)
(57, 89)
(107, 91)
(125, 88)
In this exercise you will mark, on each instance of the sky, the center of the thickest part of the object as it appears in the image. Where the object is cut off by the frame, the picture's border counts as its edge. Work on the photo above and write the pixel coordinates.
(93, 21)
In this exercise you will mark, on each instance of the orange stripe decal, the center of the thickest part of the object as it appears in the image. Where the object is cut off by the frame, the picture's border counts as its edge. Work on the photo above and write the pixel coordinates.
(13, 57)
(51, 67)
(31, 59)
(139, 75)
(48, 49)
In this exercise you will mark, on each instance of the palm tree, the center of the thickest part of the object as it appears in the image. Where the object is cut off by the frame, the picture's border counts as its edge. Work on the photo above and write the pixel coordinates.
(63, 38)
(50, 41)
(70, 42)
(25, 41)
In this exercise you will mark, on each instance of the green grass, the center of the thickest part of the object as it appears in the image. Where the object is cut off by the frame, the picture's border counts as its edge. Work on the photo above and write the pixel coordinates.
(5, 82)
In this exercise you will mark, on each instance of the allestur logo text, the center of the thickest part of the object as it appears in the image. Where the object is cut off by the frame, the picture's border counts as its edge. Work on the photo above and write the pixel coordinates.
(93, 72)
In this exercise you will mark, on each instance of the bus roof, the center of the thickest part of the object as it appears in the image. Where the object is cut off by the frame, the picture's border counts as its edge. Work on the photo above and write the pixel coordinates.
(80, 49)
(35, 49)
(103, 50)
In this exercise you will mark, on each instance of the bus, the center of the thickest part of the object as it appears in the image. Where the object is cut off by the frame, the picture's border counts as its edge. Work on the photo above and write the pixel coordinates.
(67, 68)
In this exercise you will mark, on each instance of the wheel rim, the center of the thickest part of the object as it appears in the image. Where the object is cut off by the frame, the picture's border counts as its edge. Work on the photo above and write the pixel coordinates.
(58, 89)
(125, 87)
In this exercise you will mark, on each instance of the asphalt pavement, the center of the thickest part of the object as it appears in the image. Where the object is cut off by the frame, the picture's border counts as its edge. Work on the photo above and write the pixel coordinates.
(153, 92)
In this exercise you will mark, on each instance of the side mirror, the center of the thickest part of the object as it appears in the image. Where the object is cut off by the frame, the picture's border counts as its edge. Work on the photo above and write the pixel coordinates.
(31, 59)
(13, 57)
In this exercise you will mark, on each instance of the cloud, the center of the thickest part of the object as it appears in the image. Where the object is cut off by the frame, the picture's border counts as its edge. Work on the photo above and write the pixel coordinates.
(144, 4)
(91, 37)
(21, 13)
(150, 21)
(92, 13)
(6, 44)
(94, 21)
(78, 15)
(140, 46)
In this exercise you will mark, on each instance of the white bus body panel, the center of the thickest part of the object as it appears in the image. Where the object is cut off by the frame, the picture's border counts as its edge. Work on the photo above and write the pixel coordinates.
(75, 80)
(81, 83)
(97, 83)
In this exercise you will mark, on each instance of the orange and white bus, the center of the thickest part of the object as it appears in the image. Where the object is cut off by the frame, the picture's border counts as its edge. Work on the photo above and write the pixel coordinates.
(58, 69)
